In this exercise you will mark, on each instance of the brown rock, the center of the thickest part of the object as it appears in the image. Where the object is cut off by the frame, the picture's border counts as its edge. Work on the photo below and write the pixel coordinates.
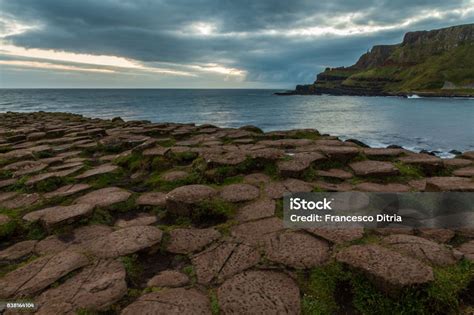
(374, 187)
(126, 241)
(39, 274)
(95, 288)
(25, 167)
(468, 155)
(333, 187)
(174, 176)
(168, 278)
(186, 241)
(468, 250)
(223, 260)
(338, 236)
(7, 195)
(152, 199)
(438, 235)
(259, 292)
(256, 179)
(427, 162)
(422, 249)
(298, 163)
(67, 190)
(104, 197)
(102, 169)
(374, 168)
(335, 173)
(181, 200)
(341, 153)
(259, 209)
(59, 214)
(382, 152)
(449, 184)
(389, 270)
(464, 172)
(17, 251)
(239, 192)
(140, 220)
(171, 301)
(20, 201)
(254, 232)
(296, 250)
(456, 162)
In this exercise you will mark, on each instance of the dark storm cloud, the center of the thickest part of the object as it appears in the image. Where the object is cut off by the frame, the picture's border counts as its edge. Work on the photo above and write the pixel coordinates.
(251, 35)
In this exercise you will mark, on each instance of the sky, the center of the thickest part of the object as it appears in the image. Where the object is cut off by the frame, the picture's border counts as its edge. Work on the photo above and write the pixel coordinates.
(200, 43)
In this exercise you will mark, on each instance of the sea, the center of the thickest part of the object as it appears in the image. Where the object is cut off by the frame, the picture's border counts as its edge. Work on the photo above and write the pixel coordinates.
(433, 124)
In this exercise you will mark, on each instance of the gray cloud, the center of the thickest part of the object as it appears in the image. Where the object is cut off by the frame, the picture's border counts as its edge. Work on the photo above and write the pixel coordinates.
(249, 35)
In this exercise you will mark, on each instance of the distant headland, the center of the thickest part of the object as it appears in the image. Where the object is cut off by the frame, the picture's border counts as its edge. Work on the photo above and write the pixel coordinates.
(427, 63)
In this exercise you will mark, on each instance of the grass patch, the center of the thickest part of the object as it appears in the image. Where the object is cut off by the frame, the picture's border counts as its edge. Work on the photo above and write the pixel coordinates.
(210, 211)
(215, 308)
(191, 273)
(409, 171)
(133, 268)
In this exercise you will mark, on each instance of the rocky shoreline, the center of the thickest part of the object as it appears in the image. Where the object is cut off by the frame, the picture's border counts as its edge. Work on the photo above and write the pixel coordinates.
(139, 217)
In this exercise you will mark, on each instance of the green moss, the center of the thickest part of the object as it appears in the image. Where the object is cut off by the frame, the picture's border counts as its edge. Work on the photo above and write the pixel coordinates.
(191, 273)
(4, 269)
(279, 212)
(133, 268)
(409, 171)
(106, 180)
(225, 228)
(306, 134)
(215, 308)
(215, 209)
(7, 229)
(100, 216)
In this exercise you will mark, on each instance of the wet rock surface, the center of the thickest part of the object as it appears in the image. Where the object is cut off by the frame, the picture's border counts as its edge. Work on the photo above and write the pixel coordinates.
(135, 217)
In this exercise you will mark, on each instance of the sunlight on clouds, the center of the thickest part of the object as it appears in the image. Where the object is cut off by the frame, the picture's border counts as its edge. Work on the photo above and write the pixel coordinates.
(51, 66)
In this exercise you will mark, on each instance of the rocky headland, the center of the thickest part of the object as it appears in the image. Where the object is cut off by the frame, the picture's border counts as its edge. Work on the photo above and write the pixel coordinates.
(436, 63)
(114, 217)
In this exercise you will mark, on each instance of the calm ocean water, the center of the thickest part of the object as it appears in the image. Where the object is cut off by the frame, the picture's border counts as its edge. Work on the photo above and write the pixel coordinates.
(422, 123)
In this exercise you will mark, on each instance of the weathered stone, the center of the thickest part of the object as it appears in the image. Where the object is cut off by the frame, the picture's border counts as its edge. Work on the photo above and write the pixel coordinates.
(464, 172)
(39, 274)
(174, 176)
(180, 200)
(20, 201)
(102, 169)
(95, 288)
(25, 167)
(186, 241)
(156, 151)
(171, 301)
(374, 187)
(7, 195)
(17, 251)
(67, 190)
(449, 184)
(374, 168)
(104, 197)
(259, 292)
(141, 219)
(126, 241)
(387, 269)
(468, 155)
(256, 210)
(335, 173)
(338, 236)
(333, 187)
(468, 250)
(223, 260)
(59, 214)
(152, 199)
(382, 152)
(392, 230)
(427, 162)
(438, 235)
(253, 232)
(239, 192)
(44, 176)
(296, 250)
(298, 163)
(7, 182)
(422, 249)
(66, 166)
(457, 162)
(168, 278)
(256, 179)
(340, 153)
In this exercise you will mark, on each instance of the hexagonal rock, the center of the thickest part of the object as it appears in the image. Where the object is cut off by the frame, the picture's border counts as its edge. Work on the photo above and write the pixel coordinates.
(390, 231)
(156, 151)
(239, 192)
(389, 270)
(449, 184)
(126, 241)
(186, 241)
(270, 154)
(277, 190)
(7, 195)
(298, 163)
(468, 250)
(80, 239)
(333, 187)
(174, 176)
(374, 168)
(223, 260)
(104, 197)
(20, 201)
(140, 220)
(67, 190)
(423, 249)
(17, 251)
(256, 179)
(102, 169)
(296, 250)
(338, 236)
(154, 198)
(40, 273)
(465, 171)
(59, 214)
(180, 200)
(259, 209)
(168, 278)
(25, 167)
(259, 292)
(382, 152)
(335, 173)
(374, 187)
(94, 288)
(254, 232)
(468, 155)
(171, 301)
(457, 162)
(341, 153)
(438, 235)
(428, 162)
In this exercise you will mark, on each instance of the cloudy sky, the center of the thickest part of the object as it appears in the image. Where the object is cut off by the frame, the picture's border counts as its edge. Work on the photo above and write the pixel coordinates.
(201, 43)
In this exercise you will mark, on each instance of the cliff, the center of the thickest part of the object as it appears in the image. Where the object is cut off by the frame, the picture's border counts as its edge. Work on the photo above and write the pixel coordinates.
(430, 63)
